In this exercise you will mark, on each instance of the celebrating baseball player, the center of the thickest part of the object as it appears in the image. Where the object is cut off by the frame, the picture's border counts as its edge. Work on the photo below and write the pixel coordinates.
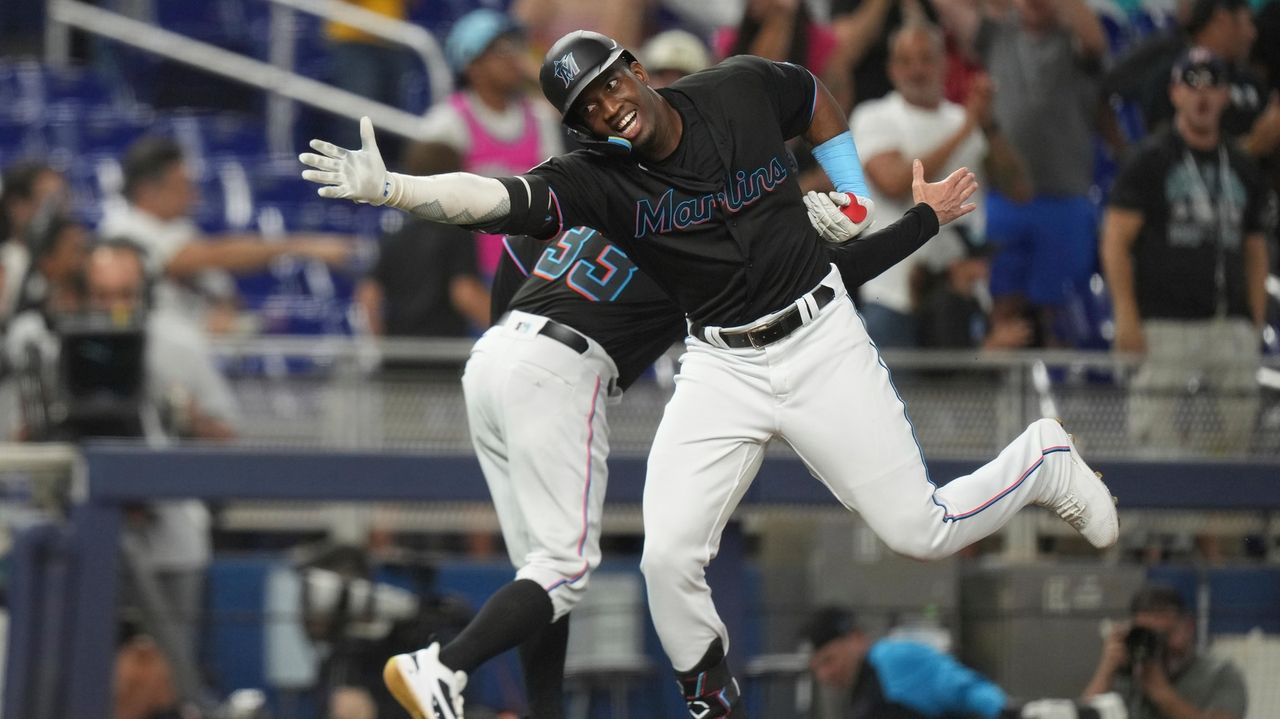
(551, 305)
(693, 183)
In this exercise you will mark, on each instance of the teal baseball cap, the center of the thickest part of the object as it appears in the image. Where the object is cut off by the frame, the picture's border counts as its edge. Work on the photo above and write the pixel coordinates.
(473, 33)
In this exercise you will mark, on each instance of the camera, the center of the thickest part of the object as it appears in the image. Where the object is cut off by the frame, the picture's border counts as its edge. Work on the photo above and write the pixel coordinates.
(88, 380)
(1144, 645)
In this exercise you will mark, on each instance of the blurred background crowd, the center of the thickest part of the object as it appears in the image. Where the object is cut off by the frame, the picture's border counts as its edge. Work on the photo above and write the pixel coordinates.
(1048, 99)
(155, 234)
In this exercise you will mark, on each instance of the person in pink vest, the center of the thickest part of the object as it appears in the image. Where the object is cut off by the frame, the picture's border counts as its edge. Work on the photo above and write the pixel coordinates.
(497, 126)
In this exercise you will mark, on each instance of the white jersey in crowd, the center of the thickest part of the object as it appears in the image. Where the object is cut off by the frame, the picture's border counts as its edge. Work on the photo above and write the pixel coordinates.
(162, 240)
(891, 123)
(180, 365)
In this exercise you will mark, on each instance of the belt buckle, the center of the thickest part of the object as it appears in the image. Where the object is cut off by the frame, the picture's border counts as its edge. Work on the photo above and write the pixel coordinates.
(751, 338)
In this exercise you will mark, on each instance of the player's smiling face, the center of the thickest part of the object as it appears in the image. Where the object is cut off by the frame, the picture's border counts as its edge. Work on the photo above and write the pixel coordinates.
(620, 103)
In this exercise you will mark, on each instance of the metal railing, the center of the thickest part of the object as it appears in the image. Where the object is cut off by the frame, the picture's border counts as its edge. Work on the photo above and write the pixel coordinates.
(276, 77)
(405, 395)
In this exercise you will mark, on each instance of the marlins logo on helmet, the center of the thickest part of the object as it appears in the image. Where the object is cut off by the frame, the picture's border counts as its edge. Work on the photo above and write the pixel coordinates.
(567, 69)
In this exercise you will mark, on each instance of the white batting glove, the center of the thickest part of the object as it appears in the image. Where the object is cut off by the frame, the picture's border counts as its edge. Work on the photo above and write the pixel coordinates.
(839, 216)
(358, 175)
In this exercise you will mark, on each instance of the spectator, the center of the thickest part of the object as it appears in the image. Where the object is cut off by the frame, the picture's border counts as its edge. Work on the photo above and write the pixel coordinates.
(1225, 28)
(495, 124)
(955, 308)
(24, 189)
(1151, 661)
(52, 284)
(670, 55)
(168, 543)
(425, 283)
(890, 677)
(915, 121)
(1184, 254)
(908, 679)
(1046, 59)
(781, 30)
(188, 267)
(859, 70)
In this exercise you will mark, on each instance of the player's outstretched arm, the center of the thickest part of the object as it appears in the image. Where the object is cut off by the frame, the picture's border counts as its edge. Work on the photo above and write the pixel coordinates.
(457, 198)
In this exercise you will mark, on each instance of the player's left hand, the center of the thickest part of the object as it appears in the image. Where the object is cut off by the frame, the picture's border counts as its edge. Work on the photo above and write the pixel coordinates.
(948, 197)
(839, 216)
(358, 175)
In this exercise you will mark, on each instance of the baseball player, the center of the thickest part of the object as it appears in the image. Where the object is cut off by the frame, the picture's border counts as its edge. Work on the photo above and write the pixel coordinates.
(693, 183)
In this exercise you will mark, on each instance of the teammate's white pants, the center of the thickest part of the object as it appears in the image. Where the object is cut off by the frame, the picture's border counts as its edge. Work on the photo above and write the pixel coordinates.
(826, 392)
(536, 410)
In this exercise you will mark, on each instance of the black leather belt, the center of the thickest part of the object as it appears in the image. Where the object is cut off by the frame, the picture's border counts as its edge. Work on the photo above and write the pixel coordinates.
(572, 339)
(773, 330)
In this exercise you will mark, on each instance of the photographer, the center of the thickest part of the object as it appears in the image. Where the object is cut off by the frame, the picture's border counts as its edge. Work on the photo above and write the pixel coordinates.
(1151, 661)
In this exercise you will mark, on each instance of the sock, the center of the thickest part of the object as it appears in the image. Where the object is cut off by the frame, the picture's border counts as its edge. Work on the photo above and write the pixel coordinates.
(512, 615)
(542, 657)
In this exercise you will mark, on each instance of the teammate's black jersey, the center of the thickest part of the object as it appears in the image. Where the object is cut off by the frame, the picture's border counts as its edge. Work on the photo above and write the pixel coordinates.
(720, 225)
(581, 280)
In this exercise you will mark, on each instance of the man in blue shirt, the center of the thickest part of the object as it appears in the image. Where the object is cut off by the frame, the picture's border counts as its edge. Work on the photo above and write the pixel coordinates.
(895, 679)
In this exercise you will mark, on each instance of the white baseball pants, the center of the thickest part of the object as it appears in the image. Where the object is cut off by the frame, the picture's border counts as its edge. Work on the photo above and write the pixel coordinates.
(826, 392)
(536, 410)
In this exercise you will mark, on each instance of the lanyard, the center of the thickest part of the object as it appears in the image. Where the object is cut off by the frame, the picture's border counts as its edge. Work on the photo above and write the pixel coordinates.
(1204, 207)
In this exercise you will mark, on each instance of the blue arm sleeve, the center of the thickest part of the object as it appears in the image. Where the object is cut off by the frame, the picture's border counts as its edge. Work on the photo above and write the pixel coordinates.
(839, 157)
(933, 683)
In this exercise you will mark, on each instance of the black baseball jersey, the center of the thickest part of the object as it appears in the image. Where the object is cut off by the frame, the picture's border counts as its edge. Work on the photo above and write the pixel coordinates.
(719, 224)
(583, 281)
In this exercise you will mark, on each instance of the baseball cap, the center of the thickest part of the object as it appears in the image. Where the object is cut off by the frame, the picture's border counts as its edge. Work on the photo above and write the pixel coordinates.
(826, 625)
(473, 33)
(1198, 67)
(675, 50)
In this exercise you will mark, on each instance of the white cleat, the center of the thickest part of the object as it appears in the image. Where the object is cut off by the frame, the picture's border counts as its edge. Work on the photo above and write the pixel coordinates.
(1086, 503)
(426, 688)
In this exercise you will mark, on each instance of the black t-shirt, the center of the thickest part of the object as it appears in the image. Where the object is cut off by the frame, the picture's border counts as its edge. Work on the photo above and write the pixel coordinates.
(720, 226)
(416, 265)
(1184, 237)
(583, 281)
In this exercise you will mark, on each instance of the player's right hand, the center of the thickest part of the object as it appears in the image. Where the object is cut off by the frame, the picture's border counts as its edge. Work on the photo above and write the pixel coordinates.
(358, 175)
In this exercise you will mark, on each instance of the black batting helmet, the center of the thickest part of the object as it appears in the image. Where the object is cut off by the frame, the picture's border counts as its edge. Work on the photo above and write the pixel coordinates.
(570, 65)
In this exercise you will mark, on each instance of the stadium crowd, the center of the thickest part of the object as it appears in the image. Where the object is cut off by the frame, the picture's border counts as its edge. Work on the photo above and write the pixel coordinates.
(1130, 156)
